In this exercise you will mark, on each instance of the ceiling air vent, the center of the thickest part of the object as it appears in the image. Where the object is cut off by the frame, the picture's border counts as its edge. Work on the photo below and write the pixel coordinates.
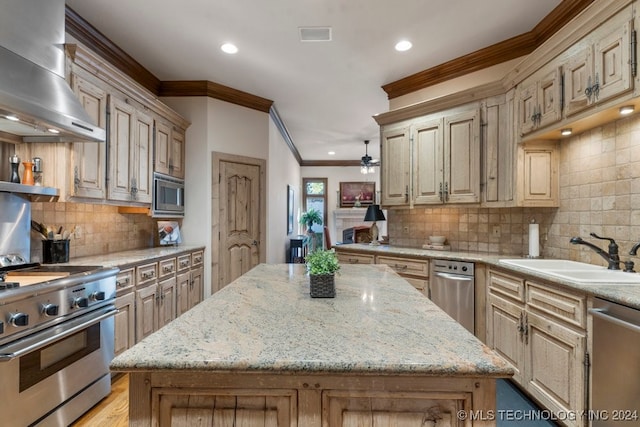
(315, 34)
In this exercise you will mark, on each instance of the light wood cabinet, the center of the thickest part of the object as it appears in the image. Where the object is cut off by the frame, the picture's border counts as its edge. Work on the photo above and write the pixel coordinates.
(434, 159)
(146, 311)
(537, 177)
(130, 153)
(167, 302)
(539, 101)
(355, 258)
(541, 331)
(89, 159)
(169, 149)
(415, 271)
(124, 322)
(498, 150)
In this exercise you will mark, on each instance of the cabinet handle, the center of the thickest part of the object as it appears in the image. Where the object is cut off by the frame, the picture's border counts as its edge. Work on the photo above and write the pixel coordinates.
(595, 89)
(520, 326)
(406, 194)
(184, 263)
(526, 330)
(122, 283)
(76, 180)
(354, 260)
(400, 267)
(440, 193)
(168, 269)
(446, 191)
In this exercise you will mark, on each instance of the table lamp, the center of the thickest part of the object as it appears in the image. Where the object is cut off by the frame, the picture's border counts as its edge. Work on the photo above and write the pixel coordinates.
(374, 213)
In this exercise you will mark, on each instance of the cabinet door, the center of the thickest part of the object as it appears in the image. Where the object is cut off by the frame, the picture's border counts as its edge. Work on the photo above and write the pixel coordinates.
(549, 97)
(396, 167)
(196, 289)
(504, 325)
(146, 311)
(161, 147)
(578, 76)
(176, 153)
(498, 149)
(427, 162)
(527, 107)
(183, 288)
(125, 329)
(538, 174)
(141, 168)
(555, 365)
(462, 157)
(89, 158)
(167, 302)
(612, 63)
(121, 138)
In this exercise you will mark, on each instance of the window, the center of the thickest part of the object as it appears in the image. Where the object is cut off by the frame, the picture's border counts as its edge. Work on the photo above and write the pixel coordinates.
(314, 195)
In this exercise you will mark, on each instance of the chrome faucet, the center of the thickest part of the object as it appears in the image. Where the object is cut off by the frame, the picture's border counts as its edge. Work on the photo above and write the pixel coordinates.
(612, 257)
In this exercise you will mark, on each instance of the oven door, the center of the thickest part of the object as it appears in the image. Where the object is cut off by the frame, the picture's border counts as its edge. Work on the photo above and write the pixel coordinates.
(54, 374)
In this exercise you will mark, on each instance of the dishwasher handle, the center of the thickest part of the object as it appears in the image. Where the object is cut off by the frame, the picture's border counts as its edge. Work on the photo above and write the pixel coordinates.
(598, 312)
(454, 277)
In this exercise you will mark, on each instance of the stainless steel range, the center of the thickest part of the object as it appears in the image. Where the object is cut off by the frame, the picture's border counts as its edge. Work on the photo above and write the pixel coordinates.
(56, 334)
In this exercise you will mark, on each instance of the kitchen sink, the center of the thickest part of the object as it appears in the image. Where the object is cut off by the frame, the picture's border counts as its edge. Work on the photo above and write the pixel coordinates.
(573, 270)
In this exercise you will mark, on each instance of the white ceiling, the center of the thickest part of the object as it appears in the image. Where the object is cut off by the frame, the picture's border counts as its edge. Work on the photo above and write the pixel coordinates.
(325, 92)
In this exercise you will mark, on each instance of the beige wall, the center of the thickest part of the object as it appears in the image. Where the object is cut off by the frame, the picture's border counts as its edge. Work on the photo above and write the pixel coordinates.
(599, 192)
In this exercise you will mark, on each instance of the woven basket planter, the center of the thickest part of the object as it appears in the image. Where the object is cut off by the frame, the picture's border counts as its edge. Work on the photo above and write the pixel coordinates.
(322, 285)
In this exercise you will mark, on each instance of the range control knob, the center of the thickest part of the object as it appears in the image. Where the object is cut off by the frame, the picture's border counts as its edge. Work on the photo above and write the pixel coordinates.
(97, 296)
(50, 310)
(464, 268)
(19, 319)
(80, 302)
(1, 327)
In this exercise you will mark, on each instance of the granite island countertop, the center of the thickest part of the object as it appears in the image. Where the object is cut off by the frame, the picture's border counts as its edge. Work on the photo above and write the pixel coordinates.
(623, 293)
(265, 321)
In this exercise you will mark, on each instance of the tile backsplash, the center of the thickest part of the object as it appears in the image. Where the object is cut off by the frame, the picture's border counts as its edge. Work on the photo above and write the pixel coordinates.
(599, 192)
(100, 228)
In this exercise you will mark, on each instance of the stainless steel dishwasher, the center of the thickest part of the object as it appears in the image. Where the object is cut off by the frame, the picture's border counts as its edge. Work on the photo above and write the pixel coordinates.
(452, 288)
(615, 365)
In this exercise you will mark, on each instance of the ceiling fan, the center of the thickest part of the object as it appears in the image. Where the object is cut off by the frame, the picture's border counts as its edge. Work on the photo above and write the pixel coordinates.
(367, 163)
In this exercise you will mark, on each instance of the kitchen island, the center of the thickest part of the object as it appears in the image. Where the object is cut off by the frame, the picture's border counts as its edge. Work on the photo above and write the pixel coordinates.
(262, 352)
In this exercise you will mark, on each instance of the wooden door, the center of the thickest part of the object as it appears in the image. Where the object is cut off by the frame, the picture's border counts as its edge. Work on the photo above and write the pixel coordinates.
(504, 320)
(176, 153)
(146, 311)
(428, 156)
(141, 173)
(462, 157)
(163, 136)
(125, 331)
(527, 107)
(241, 211)
(195, 290)
(183, 286)
(89, 158)
(396, 167)
(538, 174)
(612, 63)
(167, 305)
(549, 97)
(578, 75)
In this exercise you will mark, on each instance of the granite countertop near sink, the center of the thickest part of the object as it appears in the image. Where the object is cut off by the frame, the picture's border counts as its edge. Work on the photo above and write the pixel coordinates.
(132, 257)
(266, 321)
(627, 293)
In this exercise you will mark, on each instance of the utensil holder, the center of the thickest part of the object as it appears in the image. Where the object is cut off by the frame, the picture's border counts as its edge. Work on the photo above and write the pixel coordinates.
(55, 251)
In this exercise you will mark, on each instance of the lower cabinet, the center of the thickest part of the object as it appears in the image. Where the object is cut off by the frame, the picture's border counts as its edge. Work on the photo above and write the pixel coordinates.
(541, 331)
(414, 271)
(153, 294)
(354, 258)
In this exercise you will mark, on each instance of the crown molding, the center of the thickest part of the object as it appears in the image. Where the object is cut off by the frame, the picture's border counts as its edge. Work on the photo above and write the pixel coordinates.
(214, 90)
(506, 50)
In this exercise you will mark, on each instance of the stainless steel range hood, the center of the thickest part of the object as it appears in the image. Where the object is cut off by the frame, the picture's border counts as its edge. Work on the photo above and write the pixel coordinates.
(32, 85)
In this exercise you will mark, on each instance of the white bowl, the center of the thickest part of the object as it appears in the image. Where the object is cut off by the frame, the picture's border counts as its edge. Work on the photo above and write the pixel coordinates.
(437, 240)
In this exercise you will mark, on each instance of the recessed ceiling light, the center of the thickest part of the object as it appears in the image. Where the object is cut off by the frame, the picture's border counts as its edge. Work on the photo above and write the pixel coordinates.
(332, 153)
(403, 45)
(627, 109)
(566, 132)
(229, 48)
(12, 118)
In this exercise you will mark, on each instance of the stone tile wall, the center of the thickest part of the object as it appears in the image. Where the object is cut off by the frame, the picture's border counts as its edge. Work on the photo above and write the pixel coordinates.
(101, 228)
(599, 192)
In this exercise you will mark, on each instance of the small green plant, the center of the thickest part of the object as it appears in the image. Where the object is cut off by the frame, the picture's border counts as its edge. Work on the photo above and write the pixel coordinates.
(310, 217)
(322, 262)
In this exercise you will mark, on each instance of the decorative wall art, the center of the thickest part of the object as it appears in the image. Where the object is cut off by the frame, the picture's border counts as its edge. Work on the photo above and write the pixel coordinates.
(357, 194)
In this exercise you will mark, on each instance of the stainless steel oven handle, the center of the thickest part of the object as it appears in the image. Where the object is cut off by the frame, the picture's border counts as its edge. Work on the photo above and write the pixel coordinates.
(46, 337)
(455, 277)
(598, 312)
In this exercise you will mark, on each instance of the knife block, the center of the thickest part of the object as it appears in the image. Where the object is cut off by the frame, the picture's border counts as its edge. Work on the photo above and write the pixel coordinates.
(55, 251)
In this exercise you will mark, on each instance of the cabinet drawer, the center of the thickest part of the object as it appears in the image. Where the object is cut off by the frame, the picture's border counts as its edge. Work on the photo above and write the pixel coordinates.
(557, 303)
(146, 273)
(167, 268)
(420, 284)
(184, 262)
(506, 285)
(124, 282)
(414, 267)
(197, 258)
(355, 258)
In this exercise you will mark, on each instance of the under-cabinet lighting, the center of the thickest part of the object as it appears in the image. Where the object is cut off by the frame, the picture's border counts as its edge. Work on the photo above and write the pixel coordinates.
(55, 131)
(12, 118)
(566, 132)
(627, 109)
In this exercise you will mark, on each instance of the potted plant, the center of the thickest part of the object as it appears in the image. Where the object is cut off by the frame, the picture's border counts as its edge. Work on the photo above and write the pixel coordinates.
(310, 217)
(322, 266)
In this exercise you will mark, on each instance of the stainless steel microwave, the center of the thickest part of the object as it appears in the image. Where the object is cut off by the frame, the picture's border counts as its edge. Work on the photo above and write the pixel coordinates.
(168, 197)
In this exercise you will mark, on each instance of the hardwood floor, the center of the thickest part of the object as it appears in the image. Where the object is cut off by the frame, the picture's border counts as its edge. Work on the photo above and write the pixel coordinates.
(113, 410)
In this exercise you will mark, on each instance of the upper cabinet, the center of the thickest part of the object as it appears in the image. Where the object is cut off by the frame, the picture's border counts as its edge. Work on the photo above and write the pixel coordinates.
(142, 133)
(433, 159)
(578, 84)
